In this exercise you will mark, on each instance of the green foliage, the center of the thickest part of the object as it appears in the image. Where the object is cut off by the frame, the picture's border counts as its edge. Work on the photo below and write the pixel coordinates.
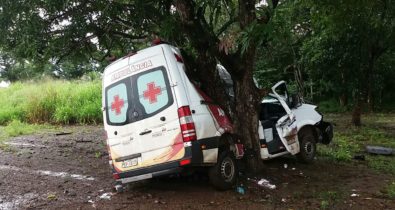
(340, 150)
(345, 51)
(331, 106)
(391, 190)
(52, 101)
(330, 198)
(17, 128)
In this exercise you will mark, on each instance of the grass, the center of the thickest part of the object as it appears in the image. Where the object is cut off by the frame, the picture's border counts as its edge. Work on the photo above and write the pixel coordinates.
(378, 130)
(18, 128)
(52, 101)
(329, 198)
(391, 190)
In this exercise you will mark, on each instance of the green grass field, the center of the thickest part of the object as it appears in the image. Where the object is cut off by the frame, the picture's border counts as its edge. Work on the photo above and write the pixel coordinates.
(49, 101)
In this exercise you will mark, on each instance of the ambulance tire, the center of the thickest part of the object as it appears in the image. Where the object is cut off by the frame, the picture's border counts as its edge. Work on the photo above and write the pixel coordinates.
(224, 174)
(308, 147)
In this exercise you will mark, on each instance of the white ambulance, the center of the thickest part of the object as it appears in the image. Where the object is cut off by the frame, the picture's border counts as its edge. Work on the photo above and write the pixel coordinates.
(158, 122)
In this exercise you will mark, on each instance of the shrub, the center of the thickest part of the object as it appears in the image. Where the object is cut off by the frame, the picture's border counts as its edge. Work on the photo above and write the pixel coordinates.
(52, 101)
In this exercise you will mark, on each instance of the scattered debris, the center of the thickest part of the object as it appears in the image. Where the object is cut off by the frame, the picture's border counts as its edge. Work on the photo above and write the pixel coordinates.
(285, 165)
(51, 197)
(63, 133)
(283, 200)
(106, 196)
(354, 195)
(263, 183)
(240, 189)
(359, 157)
(83, 141)
(378, 150)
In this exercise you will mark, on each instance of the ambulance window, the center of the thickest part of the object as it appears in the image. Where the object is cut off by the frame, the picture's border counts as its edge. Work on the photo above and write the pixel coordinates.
(117, 103)
(153, 91)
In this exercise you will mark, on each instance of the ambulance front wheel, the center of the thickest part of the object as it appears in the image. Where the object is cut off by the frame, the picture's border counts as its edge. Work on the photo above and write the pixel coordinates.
(224, 174)
(308, 148)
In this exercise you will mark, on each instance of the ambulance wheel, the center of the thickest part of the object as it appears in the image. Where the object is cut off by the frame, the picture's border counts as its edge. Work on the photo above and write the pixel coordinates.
(224, 174)
(308, 148)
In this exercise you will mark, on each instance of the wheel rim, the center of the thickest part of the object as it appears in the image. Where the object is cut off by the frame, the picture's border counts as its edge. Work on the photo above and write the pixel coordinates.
(227, 169)
(309, 149)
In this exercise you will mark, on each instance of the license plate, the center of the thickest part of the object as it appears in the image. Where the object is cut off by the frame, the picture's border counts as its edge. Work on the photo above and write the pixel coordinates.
(130, 163)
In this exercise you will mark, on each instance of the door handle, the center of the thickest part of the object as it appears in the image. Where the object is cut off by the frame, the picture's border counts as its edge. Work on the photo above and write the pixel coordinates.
(145, 132)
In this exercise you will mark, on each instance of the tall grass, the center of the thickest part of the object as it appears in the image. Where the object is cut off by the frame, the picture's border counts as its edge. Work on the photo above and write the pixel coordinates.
(49, 101)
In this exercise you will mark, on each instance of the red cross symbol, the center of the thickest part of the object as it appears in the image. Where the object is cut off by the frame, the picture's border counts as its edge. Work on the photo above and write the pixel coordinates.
(117, 105)
(152, 92)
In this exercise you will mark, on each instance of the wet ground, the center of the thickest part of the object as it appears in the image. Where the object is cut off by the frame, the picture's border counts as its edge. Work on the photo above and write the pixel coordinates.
(70, 171)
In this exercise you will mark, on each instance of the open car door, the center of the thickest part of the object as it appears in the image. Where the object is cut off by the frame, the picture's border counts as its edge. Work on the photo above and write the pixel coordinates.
(286, 125)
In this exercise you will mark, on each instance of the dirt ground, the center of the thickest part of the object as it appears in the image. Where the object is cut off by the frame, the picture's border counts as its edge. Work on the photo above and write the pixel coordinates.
(49, 171)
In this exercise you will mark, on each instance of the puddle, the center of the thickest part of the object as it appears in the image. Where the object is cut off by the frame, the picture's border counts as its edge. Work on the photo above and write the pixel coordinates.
(17, 201)
(65, 175)
(24, 144)
(49, 173)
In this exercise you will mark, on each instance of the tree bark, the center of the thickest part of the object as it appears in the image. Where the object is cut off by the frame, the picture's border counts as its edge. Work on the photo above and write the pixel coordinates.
(343, 98)
(246, 122)
(357, 112)
(240, 66)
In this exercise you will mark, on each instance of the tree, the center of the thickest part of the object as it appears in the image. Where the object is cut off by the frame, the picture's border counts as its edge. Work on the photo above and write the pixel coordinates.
(348, 40)
(224, 31)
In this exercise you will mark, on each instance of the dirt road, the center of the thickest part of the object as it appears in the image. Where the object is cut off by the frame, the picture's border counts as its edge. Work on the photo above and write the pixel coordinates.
(49, 171)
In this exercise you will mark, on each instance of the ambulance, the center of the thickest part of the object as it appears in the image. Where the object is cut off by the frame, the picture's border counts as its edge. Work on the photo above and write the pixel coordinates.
(158, 122)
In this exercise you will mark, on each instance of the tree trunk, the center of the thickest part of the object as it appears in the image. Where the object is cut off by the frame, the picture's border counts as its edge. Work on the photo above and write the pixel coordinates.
(343, 96)
(299, 80)
(343, 99)
(246, 119)
(357, 111)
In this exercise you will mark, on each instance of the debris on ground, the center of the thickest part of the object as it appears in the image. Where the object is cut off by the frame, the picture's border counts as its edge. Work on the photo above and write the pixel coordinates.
(240, 189)
(354, 195)
(359, 157)
(63, 133)
(378, 150)
(106, 196)
(263, 183)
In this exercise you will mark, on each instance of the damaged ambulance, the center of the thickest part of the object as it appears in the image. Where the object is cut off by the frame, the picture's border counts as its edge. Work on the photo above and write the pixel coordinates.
(157, 122)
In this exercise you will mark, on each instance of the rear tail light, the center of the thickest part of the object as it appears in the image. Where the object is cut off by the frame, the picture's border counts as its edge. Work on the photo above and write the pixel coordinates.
(185, 162)
(187, 125)
(116, 176)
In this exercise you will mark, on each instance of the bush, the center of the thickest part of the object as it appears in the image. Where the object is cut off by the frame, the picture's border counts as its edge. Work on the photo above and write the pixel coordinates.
(52, 101)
